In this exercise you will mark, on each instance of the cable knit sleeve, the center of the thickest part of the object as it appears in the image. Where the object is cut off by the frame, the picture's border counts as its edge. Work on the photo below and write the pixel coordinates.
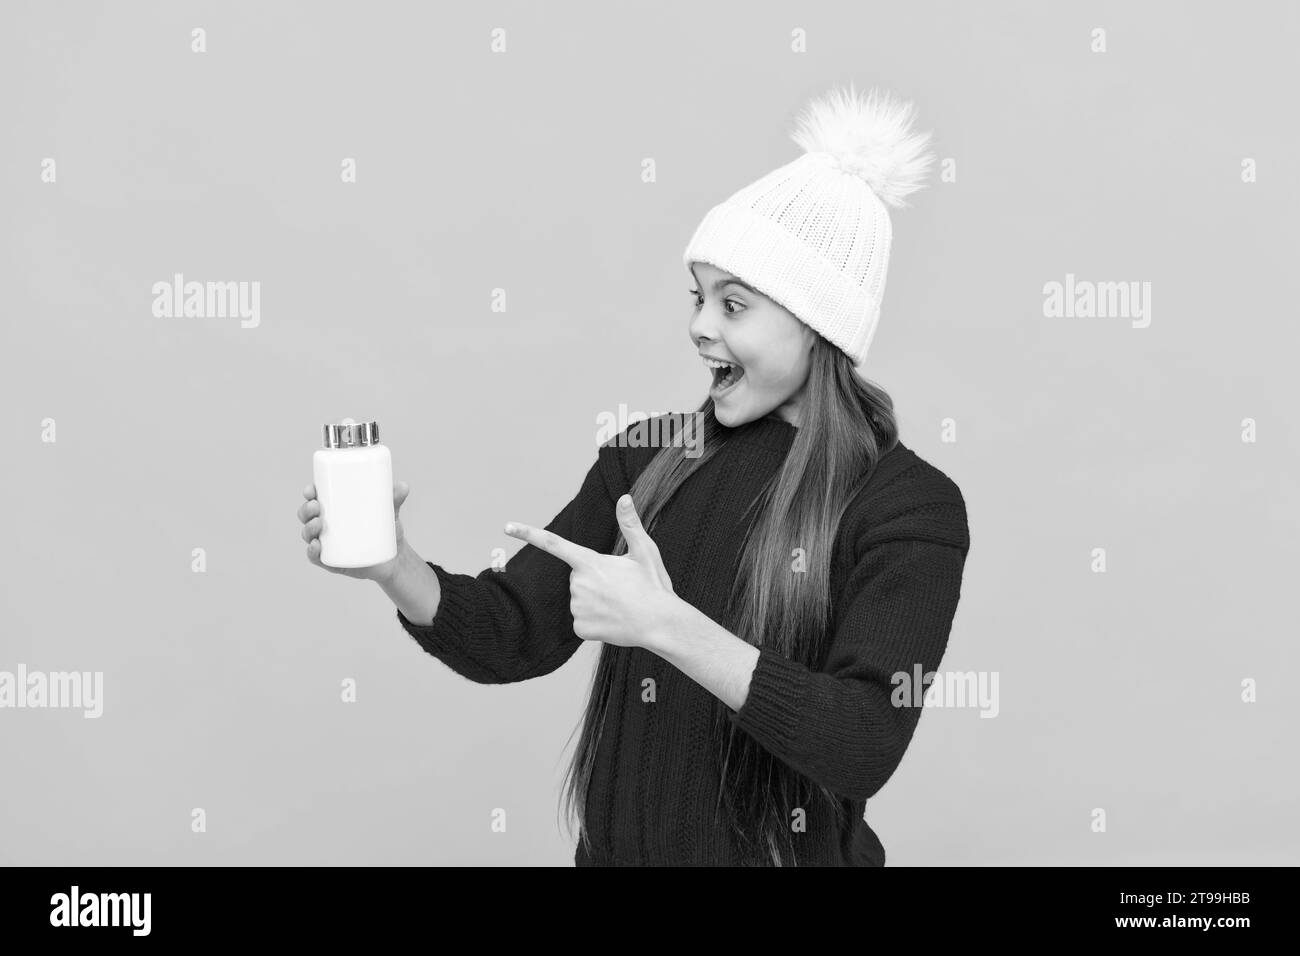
(513, 624)
(838, 726)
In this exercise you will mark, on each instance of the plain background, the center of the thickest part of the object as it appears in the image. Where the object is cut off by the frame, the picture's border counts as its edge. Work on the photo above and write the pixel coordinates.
(522, 171)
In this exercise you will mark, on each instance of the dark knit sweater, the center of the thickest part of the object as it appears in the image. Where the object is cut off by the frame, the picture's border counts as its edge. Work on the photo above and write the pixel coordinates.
(895, 582)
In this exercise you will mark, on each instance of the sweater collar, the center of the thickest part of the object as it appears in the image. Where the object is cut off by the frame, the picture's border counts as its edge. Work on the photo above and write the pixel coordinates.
(771, 432)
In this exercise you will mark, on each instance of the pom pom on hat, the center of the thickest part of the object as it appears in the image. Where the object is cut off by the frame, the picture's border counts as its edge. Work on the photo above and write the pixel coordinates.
(869, 136)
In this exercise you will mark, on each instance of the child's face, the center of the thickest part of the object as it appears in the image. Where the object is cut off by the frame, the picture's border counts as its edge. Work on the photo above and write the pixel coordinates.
(734, 323)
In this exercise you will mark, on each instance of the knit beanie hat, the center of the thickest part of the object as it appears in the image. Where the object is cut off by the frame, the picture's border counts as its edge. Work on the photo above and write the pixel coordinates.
(814, 234)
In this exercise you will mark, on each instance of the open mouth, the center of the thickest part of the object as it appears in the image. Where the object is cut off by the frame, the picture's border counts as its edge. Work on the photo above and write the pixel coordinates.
(725, 377)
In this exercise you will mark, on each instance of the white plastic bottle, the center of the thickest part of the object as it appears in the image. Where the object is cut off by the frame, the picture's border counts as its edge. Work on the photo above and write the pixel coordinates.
(354, 485)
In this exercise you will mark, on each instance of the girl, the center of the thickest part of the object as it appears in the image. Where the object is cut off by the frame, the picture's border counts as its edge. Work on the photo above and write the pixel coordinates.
(760, 603)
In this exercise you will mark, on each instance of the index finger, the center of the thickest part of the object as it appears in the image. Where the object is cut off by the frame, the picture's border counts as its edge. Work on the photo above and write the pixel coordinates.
(568, 552)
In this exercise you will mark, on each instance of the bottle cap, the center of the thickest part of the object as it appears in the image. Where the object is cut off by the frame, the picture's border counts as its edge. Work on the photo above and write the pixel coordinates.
(350, 434)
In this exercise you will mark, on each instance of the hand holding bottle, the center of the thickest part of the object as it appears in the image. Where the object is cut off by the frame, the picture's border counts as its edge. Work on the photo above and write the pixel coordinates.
(309, 513)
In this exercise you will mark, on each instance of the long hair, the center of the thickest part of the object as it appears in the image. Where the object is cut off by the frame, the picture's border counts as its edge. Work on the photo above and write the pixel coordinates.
(846, 425)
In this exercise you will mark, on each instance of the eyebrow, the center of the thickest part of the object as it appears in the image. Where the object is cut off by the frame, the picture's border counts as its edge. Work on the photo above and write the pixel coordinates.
(731, 281)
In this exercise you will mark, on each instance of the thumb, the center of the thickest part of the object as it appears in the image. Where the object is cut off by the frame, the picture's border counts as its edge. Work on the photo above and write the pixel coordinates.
(400, 490)
(639, 543)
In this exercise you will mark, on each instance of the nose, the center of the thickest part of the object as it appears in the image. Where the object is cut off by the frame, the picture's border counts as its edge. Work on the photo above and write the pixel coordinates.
(704, 326)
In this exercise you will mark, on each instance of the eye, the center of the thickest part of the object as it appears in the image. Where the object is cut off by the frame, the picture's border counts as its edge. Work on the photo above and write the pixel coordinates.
(695, 294)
